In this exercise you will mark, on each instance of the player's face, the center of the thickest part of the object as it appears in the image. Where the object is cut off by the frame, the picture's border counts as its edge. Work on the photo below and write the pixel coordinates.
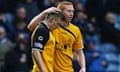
(68, 12)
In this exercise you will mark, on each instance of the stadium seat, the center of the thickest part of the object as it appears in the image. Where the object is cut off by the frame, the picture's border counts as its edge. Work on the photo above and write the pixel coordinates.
(112, 58)
(112, 68)
(108, 48)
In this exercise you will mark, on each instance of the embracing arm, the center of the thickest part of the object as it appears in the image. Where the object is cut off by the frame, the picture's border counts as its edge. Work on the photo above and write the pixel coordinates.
(37, 19)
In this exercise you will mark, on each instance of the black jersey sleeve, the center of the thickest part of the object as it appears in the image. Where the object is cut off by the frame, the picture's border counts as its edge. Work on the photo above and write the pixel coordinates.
(40, 38)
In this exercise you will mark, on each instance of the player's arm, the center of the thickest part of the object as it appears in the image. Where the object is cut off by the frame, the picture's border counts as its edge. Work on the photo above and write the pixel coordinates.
(81, 60)
(37, 19)
(38, 58)
(78, 49)
(39, 39)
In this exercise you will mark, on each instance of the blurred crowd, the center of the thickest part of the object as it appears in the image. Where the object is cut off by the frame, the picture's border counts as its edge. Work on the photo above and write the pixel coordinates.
(98, 20)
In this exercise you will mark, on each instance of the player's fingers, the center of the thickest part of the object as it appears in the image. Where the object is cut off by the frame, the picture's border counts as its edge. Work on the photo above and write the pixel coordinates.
(56, 9)
(52, 10)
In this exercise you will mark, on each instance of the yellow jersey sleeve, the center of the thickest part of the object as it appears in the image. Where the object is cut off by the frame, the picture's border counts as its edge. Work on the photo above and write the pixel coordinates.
(79, 40)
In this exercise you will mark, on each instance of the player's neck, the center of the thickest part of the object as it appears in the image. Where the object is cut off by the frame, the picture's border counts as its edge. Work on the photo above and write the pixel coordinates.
(46, 23)
(66, 24)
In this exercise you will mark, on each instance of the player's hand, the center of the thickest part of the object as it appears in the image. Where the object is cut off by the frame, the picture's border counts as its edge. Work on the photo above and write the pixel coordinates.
(52, 10)
(82, 70)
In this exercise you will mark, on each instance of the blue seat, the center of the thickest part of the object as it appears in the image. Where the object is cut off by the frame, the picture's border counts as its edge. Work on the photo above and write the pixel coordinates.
(112, 58)
(119, 59)
(119, 68)
(112, 68)
(108, 48)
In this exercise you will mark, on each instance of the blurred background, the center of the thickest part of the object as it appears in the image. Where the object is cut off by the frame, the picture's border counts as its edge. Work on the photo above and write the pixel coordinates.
(99, 21)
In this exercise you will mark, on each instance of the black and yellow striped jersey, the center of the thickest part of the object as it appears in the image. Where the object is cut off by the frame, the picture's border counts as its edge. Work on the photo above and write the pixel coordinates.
(43, 40)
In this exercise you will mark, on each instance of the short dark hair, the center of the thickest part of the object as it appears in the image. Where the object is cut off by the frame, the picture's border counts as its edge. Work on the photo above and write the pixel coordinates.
(57, 15)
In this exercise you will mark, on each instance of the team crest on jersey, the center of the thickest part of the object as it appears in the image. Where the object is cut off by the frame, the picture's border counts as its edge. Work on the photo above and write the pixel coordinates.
(40, 38)
(64, 33)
